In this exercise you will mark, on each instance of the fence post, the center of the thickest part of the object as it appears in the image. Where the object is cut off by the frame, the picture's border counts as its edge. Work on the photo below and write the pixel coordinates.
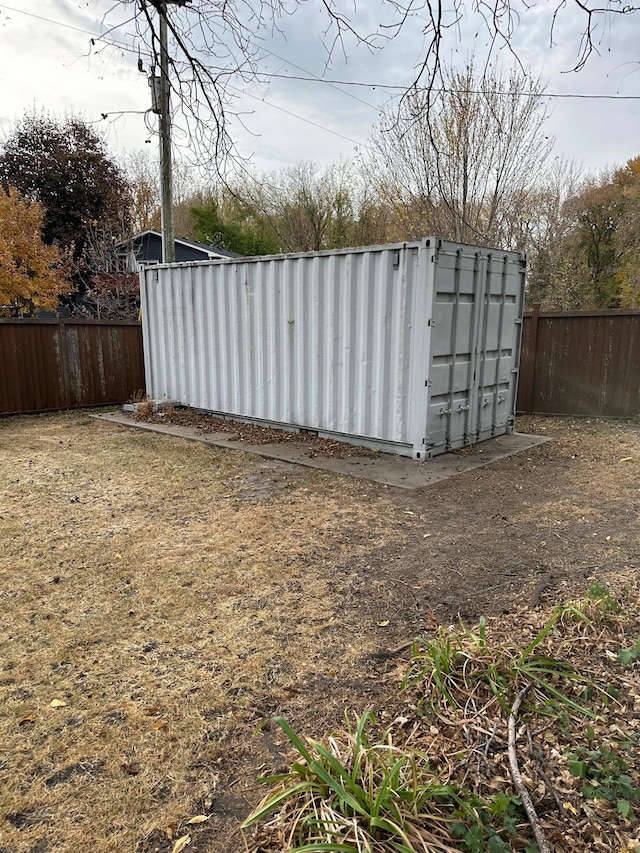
(533, 352)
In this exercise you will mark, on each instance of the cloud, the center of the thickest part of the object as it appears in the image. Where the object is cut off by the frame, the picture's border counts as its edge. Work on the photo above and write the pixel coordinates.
(51, 65)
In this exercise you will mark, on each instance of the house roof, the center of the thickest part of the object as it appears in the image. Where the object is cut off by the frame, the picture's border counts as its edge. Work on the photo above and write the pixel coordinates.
(210, 250)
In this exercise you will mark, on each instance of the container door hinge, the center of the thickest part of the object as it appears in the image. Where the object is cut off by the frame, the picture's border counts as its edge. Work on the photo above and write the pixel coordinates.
(427, 383)
(431, 322)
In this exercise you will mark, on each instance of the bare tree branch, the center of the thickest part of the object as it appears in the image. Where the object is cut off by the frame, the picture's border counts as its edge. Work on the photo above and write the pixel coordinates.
(216, 43)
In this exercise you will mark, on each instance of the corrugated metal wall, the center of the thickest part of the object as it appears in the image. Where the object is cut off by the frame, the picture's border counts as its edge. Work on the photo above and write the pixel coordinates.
(477, 309)
(352, 343)
(322, 342)
(582, 363)
(586, 363)
(51, 364)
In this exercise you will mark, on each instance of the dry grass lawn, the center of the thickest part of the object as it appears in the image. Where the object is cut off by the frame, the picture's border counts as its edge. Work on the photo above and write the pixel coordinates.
(158, 589)
(161, 600)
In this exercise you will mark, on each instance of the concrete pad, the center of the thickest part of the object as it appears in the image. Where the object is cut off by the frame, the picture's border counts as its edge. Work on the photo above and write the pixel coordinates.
(386, 468)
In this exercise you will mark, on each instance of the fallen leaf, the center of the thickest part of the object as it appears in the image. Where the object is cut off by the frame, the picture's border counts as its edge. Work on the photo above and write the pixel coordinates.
(608, 538)
(151, 712)
(181, 843)
(383, 624)
(426, 535)
(161, 724)
(30, 718)
(625, 459)
(199, 818)
(118, 556)
(57, 703)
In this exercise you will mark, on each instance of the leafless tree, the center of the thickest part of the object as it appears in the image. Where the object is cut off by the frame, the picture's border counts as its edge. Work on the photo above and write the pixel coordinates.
(216, 44)
(112, 286)
(554, 278)
(462, 166)
(309, 208)
(142, 172)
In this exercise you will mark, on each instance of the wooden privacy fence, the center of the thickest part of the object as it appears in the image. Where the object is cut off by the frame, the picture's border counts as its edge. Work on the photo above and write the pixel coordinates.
(580, 363)
(63, 364)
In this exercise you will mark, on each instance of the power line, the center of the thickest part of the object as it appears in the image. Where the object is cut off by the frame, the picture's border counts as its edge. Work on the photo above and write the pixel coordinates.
(440, 91)
(330, 82)
(591, 97)
(93, 35)
(295, 115)
(311, 78)
(240, 91)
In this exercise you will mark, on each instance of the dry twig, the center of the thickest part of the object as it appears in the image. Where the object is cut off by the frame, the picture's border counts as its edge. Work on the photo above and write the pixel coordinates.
(517, 778)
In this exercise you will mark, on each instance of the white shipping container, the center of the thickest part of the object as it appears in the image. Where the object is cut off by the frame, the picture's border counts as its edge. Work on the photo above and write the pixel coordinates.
(410, 348)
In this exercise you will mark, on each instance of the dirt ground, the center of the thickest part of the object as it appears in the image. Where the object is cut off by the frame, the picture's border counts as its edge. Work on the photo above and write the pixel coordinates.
(169, 598)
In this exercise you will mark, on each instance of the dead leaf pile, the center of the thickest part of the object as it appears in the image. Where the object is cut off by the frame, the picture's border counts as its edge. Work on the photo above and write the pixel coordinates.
(252, 433)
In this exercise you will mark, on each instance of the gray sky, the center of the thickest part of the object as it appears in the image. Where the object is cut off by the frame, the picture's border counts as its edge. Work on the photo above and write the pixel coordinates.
(48, 63)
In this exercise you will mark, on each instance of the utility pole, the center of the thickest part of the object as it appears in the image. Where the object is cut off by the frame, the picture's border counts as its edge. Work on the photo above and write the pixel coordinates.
(168, 239)
(161, 93)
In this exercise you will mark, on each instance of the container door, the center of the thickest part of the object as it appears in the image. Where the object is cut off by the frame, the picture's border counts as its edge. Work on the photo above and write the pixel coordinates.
(498, 345)
(474, 346)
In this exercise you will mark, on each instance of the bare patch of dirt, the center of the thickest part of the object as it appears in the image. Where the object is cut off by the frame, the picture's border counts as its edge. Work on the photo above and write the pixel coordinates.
(524, 530)
(175, 596)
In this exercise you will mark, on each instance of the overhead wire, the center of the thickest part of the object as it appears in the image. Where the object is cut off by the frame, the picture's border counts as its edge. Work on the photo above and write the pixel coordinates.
(312, 78)
(111, 43)
(444, 90)
(239, 91)
(295, 115)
